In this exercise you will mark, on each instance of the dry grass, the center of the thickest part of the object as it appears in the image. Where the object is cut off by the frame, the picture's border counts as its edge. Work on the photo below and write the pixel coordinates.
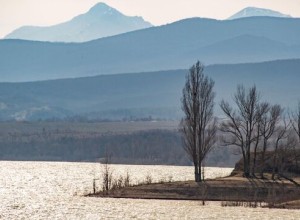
(232, 190)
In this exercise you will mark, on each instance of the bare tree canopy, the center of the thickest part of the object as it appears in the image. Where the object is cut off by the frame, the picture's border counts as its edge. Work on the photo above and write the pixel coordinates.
(198, 126)
(295, 122)
(256, 127)
(269, 121)
(240, 124)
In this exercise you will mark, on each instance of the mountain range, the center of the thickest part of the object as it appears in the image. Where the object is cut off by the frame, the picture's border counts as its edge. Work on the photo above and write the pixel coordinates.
(103, 21)
(141, 72)
(172, 46)
(141, 95)
(100, 21)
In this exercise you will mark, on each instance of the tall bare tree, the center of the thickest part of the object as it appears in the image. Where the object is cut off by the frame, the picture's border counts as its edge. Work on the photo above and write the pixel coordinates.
(240, 124)
(198, 126)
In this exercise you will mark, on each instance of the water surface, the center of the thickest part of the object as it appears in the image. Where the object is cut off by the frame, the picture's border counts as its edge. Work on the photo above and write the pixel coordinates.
(54, 190)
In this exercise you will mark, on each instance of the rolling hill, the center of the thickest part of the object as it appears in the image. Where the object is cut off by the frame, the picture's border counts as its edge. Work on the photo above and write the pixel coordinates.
(172, 46)
(100, 21)
(140, 95)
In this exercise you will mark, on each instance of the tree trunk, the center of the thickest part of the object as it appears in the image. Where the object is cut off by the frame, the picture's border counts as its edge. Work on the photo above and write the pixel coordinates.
(197, 177)
(246, 166)
(255, 153)
(203, 176)
(246, 169)
(200, 172)
(296, 157)
(263, 159)
(254, 161)
(274, 164)
(249, 163)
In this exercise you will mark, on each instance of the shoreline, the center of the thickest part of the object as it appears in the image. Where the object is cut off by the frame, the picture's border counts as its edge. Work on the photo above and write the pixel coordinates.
(232, 190)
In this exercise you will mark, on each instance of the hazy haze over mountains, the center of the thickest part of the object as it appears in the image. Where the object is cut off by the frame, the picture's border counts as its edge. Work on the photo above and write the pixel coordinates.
(172, 46)
(100, 21)
(255, 12)
(139, 95)
(131, 81)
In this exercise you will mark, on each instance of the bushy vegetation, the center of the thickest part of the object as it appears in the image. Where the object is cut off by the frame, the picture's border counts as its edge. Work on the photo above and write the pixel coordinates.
(127, 142)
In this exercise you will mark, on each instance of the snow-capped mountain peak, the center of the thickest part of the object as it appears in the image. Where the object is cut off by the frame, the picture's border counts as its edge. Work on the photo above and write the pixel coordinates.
(254, 12)
(102, 9)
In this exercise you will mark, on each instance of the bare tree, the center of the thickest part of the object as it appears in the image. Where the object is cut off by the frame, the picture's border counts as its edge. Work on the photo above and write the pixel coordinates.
(106, 174)
(281, 134)
(240, 124)
(198, 126)
(268, 123)
(295, 122)
(263, 109)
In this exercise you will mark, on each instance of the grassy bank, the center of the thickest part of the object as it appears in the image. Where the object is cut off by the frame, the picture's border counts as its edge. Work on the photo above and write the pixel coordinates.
(232, 190)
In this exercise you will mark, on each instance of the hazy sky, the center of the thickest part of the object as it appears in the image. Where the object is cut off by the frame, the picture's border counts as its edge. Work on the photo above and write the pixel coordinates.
(16, 13)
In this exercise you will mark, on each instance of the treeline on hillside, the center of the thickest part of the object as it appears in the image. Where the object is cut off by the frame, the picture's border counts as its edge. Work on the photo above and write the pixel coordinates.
(141, 147)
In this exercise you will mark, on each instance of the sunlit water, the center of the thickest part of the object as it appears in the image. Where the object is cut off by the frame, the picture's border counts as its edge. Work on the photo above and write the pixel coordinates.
(42, 190)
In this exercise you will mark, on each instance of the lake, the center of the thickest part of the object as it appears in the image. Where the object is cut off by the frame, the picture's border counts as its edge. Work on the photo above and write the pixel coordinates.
(54, 190)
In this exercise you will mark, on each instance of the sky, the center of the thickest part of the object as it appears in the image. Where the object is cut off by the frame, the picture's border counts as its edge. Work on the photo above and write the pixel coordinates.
(16, 13)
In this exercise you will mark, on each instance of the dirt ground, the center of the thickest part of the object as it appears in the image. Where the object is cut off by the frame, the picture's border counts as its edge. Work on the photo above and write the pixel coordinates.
(280, 193)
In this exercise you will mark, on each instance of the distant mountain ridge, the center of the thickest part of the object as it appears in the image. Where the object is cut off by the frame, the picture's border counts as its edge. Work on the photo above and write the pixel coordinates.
(257, 12)
(140, 95)
(172, 46)
(100, 21)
